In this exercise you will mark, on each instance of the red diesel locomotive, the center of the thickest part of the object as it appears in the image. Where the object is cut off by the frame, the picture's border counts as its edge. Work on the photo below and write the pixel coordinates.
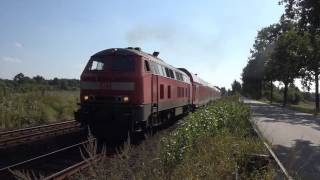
(126, 89)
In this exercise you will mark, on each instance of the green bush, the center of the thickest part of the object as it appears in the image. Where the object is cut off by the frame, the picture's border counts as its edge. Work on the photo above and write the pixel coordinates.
(294, 95)
(212, 142)
(223, 115)
(277, 96)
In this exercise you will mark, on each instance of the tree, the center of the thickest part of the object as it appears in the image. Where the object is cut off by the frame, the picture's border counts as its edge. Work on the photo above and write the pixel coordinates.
(255, 73)
(252, 77)
(38, 79)
(236, 87)
(286, 59)
(223, 91)
(307, 15)
(19, 77)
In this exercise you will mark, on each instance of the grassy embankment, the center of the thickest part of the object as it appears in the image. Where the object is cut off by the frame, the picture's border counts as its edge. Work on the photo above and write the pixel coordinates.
(212, 143)
(34, 108)
(303, 106)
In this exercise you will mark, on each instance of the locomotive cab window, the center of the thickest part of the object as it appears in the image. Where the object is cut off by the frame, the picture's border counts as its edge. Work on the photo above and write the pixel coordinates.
(179, 76)
(167, 72)
(154, 68)
(163, 71)
(96, 66)
(160, 70)
(171, 73)
(146, 65)
(169, 92)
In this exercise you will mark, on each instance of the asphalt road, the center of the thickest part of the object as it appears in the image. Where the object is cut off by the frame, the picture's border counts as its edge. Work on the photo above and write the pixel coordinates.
(295, 137)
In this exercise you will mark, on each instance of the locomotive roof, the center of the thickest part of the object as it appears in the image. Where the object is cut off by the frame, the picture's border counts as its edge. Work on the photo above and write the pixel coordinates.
(132, 52)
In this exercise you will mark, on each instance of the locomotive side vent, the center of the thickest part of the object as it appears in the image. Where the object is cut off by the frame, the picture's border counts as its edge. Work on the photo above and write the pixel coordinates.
(155, 53)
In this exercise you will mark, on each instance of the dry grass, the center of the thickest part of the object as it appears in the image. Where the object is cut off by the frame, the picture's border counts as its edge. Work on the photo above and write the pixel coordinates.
(131, 162)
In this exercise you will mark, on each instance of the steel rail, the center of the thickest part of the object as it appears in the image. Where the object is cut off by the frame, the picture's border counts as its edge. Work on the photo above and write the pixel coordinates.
(14, 140)
(17, 136)
(72, 170)
(35, 127)
(45, 155)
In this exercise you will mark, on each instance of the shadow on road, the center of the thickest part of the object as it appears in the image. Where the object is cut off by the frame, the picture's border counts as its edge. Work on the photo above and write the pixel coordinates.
(301, 160)
(296, 141)
(278, 114)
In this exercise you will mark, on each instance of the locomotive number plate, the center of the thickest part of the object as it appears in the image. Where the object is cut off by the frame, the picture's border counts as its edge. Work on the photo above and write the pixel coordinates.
(105, 85)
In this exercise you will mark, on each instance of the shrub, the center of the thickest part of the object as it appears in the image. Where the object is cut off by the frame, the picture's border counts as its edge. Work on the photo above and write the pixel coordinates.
(223, 115)
(294, 95)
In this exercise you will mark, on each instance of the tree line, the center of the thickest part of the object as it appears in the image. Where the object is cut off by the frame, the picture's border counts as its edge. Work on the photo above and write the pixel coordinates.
(22, 83)
(286, 51)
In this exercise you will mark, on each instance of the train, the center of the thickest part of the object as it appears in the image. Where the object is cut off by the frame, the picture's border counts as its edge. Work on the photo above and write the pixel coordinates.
(128, 90)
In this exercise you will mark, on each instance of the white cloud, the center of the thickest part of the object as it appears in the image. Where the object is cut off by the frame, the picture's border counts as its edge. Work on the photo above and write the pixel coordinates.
(11, 59)
(18, 44)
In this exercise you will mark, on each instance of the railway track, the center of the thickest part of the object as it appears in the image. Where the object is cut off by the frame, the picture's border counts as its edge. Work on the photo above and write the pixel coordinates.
(72, 170)
(66, 162)
(15, 137)
(52, 165)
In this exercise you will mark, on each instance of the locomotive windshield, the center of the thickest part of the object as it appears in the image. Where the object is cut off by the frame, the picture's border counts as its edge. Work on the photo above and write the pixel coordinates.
(115, 63)
(96, 66)
(122, 63)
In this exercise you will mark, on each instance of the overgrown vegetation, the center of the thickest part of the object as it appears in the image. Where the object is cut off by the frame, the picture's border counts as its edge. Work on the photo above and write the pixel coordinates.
(28, 101)
(213, 143)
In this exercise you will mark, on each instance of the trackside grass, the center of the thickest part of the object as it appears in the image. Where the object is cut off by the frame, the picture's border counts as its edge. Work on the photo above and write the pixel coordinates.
(215, 142)
(212, 142)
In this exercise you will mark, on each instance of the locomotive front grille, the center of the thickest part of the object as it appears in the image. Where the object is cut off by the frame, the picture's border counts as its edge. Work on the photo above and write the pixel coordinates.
(104, 99)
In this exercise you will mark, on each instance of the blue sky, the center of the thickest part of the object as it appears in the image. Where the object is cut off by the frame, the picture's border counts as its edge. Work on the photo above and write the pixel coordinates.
(56, 38)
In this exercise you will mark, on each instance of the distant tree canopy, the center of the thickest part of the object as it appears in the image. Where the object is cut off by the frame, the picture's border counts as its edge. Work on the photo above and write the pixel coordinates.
(286, 59)
(255, 73)
(285, 51)
(236, 87)
(22, 83)
(306, 14)
(223, 91)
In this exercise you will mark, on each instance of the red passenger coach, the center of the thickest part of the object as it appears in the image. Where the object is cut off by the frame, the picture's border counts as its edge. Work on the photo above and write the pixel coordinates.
(203, 92)
(125, 89)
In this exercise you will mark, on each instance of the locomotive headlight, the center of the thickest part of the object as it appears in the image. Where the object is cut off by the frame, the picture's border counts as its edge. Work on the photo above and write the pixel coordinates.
(86, 98)
(125, 99)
